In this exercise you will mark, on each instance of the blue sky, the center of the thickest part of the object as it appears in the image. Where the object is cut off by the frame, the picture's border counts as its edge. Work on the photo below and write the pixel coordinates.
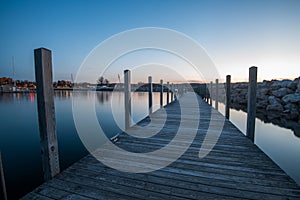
(235, 34)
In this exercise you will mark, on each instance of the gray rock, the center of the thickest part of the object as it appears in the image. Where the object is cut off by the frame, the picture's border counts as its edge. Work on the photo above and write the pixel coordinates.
(281, 92)
(292, 111)
(291, 106)
(274, 105)
(291, 98)
(243, 85)
(262, 93)
(262, 104)
(239, 100)
(273, 100)
(288, 84)
(275, 85)
(234, 86)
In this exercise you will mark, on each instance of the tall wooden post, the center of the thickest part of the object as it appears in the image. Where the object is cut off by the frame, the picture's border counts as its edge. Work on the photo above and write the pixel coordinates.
(168, 90)
(150, 90)
(251, 108)
(210, 93)
(161, 93)
(228, 97)
(3, 186)
(217, 95)
(46, 112)
(206, 93)
(172, 92)
(127, 103)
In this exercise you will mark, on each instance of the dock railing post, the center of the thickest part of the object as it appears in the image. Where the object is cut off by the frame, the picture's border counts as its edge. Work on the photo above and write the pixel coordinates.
(168, 91)
(127, 95)
(217, 95)
(210, 93)
(150, 90)
(228, 97)
(172, 92)
(206, 94)
(161, 93)
(3, 186)
(251, 107)
(46, 112)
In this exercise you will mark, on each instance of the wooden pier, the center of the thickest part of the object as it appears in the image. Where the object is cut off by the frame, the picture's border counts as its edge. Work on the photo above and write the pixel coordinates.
(234, 169)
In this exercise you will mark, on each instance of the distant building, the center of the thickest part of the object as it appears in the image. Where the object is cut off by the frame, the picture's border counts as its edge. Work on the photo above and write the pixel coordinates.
(63, 84)
(6, 81)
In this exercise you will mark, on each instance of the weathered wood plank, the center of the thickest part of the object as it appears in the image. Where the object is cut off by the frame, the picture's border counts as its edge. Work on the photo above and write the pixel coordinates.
(175, 180)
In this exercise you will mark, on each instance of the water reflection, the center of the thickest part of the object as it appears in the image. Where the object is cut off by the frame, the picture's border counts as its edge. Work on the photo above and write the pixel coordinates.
(103, 96)
(63, 94)
(17, 97)
(280, 144)
(272, 117)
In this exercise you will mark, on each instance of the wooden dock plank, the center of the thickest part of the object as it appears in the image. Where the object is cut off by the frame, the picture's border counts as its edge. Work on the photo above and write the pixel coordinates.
(234, 169)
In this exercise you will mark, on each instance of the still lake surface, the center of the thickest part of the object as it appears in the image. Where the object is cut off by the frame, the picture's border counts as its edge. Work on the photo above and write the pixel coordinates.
(19, 134)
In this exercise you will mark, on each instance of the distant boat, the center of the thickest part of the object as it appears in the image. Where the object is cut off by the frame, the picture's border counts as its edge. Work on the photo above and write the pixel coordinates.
(104, 88)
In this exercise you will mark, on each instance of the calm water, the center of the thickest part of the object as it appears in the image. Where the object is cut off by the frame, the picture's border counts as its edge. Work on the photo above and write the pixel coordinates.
(19, 136)
(280, 144)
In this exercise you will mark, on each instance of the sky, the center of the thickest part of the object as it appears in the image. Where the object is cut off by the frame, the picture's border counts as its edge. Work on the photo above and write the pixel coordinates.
(235, 34)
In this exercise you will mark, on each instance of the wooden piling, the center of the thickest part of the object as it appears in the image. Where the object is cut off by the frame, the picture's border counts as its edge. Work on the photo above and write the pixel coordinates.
(46, 112)
(168, 91)
(3, 186)
(172, 92)
(251, 108)
(161, 93)
(127, 103)
(228, 97)
(150, 90)
(217, 95)
(210, 93)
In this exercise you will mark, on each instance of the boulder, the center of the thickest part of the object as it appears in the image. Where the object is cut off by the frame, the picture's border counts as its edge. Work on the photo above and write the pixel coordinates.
(291, 106)
(273, 100)
(291, 98)
(274, 105)
(239, 100)
(275, 85)
(288, 84)
(262, 93)
(234, 86)
(266, 83)
(292, 111)
(262, 104)
(281, 92)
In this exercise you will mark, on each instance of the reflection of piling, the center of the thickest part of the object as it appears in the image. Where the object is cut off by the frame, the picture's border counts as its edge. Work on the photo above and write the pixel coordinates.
(251, 109)
(217, 95)
(228, 95)
(46, 112)
(3, 187)
(161, 93)
(127, 103)
(150, 90)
